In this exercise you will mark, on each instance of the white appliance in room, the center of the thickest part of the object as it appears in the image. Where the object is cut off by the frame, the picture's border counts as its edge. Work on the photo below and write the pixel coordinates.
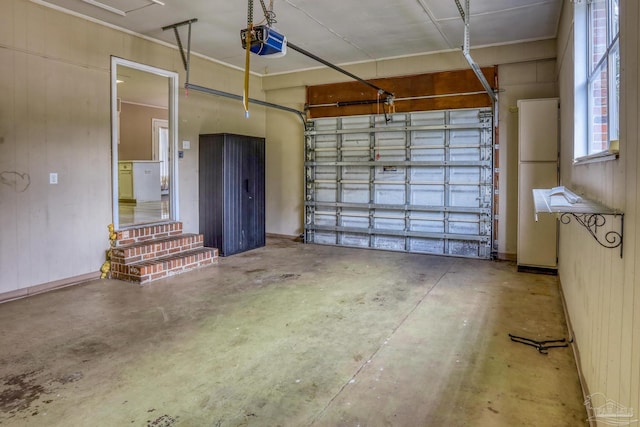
(139, 180)
(538, 144)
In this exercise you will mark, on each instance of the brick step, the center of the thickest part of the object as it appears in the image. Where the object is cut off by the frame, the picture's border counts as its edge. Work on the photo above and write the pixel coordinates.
(141, 234)
(146, 271)
(156, 248)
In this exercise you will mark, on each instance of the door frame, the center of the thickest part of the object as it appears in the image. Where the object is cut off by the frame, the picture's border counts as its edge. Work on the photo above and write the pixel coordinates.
(174, 213)
(156, 125)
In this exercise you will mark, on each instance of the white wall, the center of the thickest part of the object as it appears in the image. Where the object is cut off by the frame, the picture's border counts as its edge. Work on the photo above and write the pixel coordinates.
(602, 290)
(55, 117)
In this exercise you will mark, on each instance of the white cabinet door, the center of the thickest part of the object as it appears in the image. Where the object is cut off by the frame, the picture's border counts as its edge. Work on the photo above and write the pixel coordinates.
(125, 181)
(538, 130)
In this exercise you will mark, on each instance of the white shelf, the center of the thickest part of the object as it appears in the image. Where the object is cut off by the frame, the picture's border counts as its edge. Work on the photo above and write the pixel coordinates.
(552, 200)
(588, 213)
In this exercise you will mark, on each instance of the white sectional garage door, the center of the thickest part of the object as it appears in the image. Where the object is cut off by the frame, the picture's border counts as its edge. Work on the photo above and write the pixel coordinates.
(421, 182)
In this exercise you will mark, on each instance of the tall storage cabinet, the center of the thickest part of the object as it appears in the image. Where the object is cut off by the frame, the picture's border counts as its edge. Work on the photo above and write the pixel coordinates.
(232, 192)
(537, 168)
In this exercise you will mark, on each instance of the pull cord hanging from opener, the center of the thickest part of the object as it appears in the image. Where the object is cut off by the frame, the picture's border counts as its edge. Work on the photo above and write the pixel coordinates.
(269, 18)
(247, 59)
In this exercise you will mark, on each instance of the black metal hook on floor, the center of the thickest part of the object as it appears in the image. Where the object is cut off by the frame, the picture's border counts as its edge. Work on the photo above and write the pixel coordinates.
(541, 346)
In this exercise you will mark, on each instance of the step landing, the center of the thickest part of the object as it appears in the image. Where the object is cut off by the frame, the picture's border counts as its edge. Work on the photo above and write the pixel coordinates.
(149, 253)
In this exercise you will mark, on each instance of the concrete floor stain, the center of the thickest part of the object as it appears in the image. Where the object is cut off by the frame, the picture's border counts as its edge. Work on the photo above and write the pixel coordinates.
(163, 421)
(19, 392)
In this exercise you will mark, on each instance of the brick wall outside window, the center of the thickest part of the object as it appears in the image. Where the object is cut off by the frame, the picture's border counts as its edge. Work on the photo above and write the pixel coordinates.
(599, 97)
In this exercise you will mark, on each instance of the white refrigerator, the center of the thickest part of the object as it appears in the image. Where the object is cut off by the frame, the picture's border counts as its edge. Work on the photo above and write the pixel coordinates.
(538, 154)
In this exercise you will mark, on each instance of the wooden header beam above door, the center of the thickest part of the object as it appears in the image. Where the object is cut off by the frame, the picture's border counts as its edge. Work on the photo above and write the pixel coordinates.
(423, 92)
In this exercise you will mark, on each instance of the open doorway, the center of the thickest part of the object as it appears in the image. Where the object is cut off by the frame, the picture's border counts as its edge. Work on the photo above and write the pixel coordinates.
(144, 144)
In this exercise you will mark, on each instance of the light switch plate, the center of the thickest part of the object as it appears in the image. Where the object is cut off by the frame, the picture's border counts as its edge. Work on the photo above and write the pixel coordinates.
(53, 178)
(186, 145)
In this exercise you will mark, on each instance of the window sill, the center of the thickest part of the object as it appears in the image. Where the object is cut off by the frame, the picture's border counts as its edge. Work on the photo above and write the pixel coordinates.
(603, 156)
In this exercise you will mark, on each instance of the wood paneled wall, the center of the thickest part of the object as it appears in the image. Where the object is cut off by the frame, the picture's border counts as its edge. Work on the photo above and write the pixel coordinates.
(422, 92)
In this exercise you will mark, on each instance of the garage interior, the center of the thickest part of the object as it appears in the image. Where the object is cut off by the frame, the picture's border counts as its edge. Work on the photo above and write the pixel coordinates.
(195, 233)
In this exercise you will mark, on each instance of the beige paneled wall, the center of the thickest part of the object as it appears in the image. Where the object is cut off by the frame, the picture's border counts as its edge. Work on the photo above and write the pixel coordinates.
(55, 117)
(201, 113)
(285, 164)
(602, 290)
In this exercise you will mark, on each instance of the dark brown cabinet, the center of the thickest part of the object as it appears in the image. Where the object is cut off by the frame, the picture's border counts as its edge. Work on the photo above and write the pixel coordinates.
(232, 192)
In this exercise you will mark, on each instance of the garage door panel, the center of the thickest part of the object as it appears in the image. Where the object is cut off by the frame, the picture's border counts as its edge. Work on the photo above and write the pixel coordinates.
(428, 154)
(388, 194)
(354, 219)
(428, 174)
(431, 222)
(427, 246)
(468, 224)
(326, 141)
(421, 182)
(464, 248)
(355, 173)
(356, 122)
(354, 239)
(467, 154)
(428, 118)
(465, 175)
(325, 238)
(428, 138)
(325, 192)
(388, 223)
(326, 173)
(390, 173)
(326, 218)
(355, 193)
(457, 117)
(326, 156)
(356, 140)
(427, 195)
(465, 137)
(389, 243)
(390, 155)
(464, 196)
(391, 139)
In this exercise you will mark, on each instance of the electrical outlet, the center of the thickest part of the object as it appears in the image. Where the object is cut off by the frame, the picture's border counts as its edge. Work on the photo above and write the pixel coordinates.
(53, 178)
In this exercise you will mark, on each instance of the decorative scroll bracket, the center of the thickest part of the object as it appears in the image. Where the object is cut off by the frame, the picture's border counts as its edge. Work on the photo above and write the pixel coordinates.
(592, 222)
(590, 214)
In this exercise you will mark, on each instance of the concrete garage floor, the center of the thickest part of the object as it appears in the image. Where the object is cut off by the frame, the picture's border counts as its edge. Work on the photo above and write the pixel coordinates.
(294, 335)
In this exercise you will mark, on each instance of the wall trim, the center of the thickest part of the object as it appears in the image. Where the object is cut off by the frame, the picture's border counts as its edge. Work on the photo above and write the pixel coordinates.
(46, 287)
(507, 256)
(282, 236)
(591, 416)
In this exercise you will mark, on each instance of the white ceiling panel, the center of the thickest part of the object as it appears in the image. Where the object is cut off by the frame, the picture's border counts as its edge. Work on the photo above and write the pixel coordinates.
(448, 10)
(490, 28)
(339, 31)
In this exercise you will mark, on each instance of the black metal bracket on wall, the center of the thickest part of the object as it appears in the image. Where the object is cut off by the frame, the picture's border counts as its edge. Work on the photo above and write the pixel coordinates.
(186, 61)
(186, 58)
(592, 222)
